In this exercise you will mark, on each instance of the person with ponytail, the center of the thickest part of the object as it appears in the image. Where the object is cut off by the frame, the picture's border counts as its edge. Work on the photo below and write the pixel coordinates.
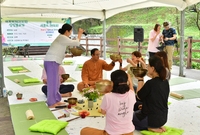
(163, 56)
(154, 96)
(118, 108)
(54, 58)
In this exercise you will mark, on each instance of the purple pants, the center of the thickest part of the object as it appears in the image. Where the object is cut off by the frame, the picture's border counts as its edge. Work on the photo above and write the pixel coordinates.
(53, 82)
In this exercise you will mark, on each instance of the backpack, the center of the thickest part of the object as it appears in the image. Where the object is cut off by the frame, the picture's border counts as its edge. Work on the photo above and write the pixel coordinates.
(175, 41)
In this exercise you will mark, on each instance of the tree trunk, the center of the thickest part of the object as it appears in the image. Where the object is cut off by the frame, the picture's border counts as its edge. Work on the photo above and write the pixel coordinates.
(177, 21)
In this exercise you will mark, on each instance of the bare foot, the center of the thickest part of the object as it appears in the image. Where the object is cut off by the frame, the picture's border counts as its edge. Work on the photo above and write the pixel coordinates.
(163, 128)
(60, 103)
(53, 106)
(69, 94)
(158, 130)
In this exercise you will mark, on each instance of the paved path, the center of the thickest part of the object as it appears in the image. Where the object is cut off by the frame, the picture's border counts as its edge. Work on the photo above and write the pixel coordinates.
(6, 127)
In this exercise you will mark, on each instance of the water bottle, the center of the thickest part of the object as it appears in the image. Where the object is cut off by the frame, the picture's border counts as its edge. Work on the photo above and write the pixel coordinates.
(4, 92)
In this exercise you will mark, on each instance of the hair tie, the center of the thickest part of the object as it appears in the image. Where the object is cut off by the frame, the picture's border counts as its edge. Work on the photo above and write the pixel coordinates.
(122, 83)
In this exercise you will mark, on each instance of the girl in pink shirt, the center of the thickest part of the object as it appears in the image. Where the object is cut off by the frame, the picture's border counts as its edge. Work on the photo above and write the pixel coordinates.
(154, 39)
(118, 108)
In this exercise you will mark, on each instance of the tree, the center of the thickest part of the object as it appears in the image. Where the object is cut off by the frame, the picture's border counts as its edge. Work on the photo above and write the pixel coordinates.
(195, 8)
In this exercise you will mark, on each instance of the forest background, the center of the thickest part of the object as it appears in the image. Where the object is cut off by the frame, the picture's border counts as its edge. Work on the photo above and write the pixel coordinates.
(123, 24)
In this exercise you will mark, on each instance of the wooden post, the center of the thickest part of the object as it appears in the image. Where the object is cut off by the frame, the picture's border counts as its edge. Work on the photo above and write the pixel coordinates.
(101, 45)
(119, 44)
(86, 42)
(189, 57)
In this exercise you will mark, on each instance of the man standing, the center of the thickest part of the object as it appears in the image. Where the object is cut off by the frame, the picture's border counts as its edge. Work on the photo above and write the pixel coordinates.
(169, 37)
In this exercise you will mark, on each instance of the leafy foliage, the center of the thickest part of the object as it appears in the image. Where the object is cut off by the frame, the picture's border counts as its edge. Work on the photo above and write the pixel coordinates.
(91, 94)
(123, 24)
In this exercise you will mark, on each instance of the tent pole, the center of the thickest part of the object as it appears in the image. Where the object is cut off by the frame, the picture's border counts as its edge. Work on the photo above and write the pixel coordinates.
(104, 34)
(181, 66)
(1, 62)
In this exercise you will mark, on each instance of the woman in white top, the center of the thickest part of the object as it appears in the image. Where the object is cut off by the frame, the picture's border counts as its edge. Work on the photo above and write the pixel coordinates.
(154, 39)
(54, 58)
(136, 58)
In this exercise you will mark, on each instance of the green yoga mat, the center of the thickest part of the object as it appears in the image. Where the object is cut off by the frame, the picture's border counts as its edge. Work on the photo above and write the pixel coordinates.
(17, 67)
(20, 122)
(188, 94)
(180, 80)
(21, 79)
(42, 66)
(198, 106)
(68, 62)
(79, 67)
(71, 80)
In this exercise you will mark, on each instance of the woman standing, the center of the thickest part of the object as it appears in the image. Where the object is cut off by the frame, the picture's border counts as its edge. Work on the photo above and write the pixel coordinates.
(154, 96)
(154, 39)
(54, 58)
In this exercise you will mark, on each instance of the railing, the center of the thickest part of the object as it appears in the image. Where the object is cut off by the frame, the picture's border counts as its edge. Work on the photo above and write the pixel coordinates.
(121, 45)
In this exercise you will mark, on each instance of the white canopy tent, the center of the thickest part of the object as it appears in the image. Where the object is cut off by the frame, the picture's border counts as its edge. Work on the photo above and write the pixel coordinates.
(82, 9)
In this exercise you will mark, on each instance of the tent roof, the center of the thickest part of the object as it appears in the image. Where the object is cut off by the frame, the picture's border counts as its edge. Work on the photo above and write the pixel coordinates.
(82, 9)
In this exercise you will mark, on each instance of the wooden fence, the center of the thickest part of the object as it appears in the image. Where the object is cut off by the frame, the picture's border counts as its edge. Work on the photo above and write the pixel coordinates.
(119, 45)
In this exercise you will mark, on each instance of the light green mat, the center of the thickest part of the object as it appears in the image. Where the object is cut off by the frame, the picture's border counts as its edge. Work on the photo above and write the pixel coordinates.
(18, 70)
(188, 94)
(21, 124)
(169, 103)
(42, 66)
(21, 79)
(79, 67)
(198, 106)
(180, 80)
(71, 80)
(68, 62)
(169, 131)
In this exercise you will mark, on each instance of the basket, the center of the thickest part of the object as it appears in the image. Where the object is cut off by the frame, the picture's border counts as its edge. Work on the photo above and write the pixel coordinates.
(76, 51)
(138, 71)
(115, 57)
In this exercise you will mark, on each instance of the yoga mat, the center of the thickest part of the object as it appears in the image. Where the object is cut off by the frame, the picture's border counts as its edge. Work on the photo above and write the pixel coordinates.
(18, 70)
(198, 106)
(79, 67)
(21, 79)
(188, 94)
(169, 131)
(42, 66)
(71, 80)
(180, 80)
(68, 62)
(93, 111)
(169, 103)
(20, 122)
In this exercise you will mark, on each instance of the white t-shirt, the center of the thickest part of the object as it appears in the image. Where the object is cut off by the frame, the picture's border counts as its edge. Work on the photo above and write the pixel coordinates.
(119, 112)
(133, 78)
(58, 47)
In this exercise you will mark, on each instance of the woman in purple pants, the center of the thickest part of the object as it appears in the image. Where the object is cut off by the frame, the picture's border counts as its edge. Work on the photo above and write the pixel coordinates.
(54, 58)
